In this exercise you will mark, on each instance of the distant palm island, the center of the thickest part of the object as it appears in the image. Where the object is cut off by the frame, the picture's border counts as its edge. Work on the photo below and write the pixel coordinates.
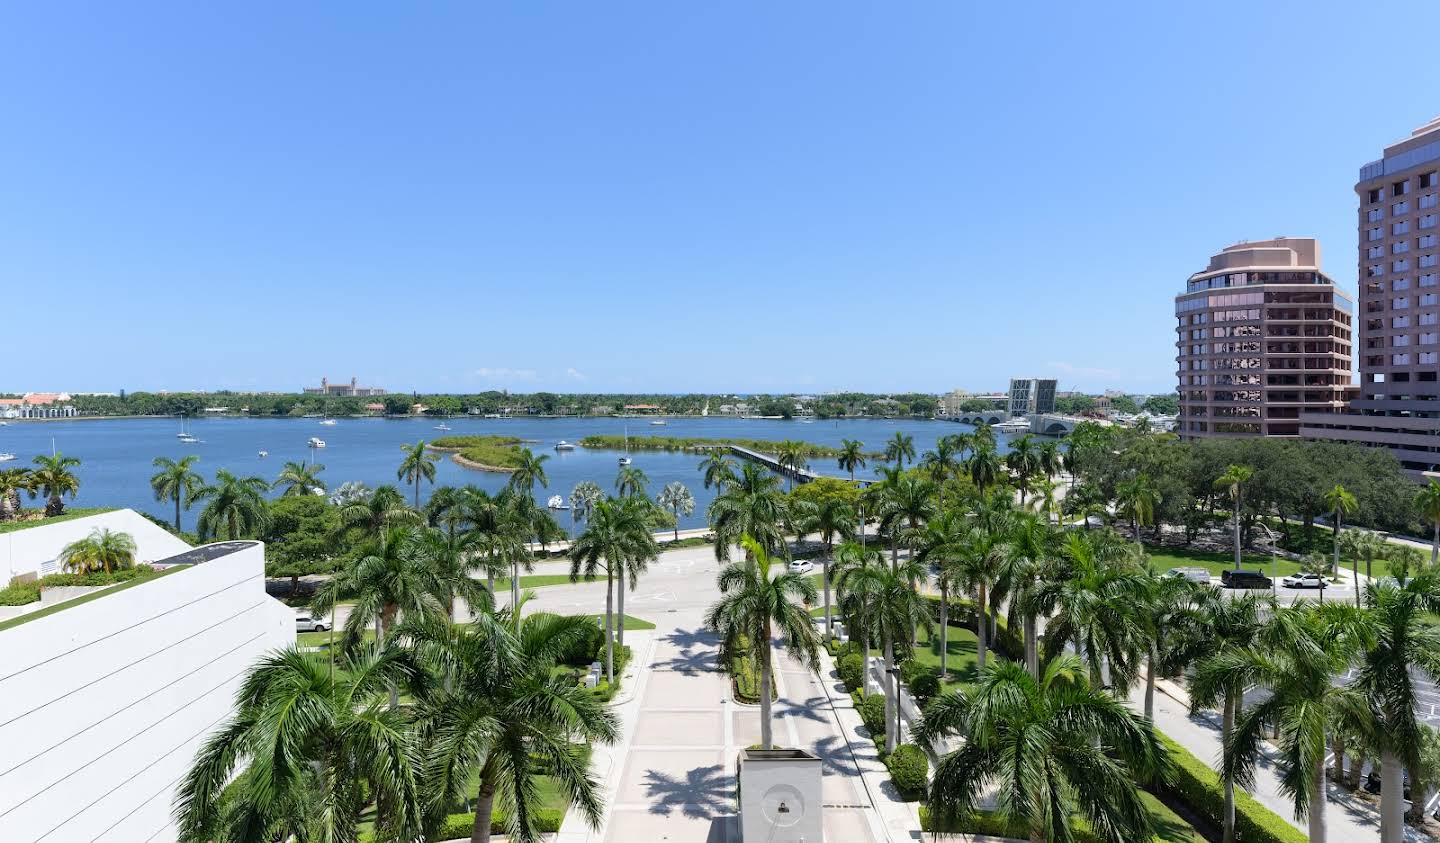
(501, 404)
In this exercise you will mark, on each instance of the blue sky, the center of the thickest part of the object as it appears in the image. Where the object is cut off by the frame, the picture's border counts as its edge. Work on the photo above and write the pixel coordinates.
(665, 196)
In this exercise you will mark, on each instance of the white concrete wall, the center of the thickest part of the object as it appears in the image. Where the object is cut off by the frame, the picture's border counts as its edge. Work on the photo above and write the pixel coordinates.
(33, 549)
(104, 705)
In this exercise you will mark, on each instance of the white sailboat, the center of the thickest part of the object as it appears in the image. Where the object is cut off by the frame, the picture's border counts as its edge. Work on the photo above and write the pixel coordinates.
(315, 442)
(562, 445)
(625, 460)
(557, 502)
(6, 457)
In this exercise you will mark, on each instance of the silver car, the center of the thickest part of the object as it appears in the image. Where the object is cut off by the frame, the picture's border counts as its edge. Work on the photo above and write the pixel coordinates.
(1304, 581)
(305, 623)
(1198, 575)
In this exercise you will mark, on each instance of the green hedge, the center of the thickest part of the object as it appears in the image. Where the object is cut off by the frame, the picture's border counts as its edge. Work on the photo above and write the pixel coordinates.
(20, 594)
(1199, 787)
(872, 714)
(991, 824)
(851, 670)
(909, 769)
(459, 826)
(25, 593)
(964, 613)
(603, 689)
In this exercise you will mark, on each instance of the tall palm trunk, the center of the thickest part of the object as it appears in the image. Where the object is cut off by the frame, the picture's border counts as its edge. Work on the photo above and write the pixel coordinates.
(982, 624)
(825, 580)
(484, 809)
(944, 623)
(1237, 533)
(1032, 654)
(762, 653)
(892, 698)
(1227, 725)
(515, 591)
(620, 609)
(1355, 577)
(417, 490)
(1150, 684)
(1337, 746)
(1420, 793)
(609, 640)
(1357, 766)
(387, 620)
(1435, 545)
(1316, 815)
(177, 510)
(1335, 560)
(1392, 798)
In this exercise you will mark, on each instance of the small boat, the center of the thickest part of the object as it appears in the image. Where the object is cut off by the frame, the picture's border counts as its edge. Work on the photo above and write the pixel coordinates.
(658, 422)
(562, 445)
(625, 461)
(442, 426)
(557, 502)
(327, 422)
(6, 457)
(264, 454)
(1014, 426)
(316, 442)
(188, 439)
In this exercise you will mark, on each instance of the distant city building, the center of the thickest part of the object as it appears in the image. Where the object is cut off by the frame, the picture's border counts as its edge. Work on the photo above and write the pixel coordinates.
(1262, 334)
(642, 408)
(340, 390)
(375, 408)
(38, 405)
(1398, 402)
(1031, 395)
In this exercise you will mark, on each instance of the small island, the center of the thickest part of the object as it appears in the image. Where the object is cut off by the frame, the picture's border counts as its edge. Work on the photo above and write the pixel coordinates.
(696, 444)
(481, 453)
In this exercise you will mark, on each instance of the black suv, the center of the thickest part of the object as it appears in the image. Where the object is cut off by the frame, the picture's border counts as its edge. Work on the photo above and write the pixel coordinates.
(1244, 579)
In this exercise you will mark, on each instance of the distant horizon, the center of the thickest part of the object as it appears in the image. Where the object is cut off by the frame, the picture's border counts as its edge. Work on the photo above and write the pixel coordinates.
(731, 393)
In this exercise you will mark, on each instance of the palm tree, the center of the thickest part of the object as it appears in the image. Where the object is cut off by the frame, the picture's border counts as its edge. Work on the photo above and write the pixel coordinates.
(833, 519)
(1298, 658)
(642, 517)
(618, 531)
(631, 480)
(102, 550)
(372, 514)
(1341, 502)
(583, 499)
(315, 744)
(299, 479)
(851, 456)
(498, 529)
(1054, 745)
(418, 464)
(54, 480)
(718, 468)
(896, 610)
(1024, 460)
(900, 448)
(1382, 706)
(390, 578)
(444, 509)
(791, 457)
(177, 481)
(942, 462)
(1233, 481)
(1049, 459)
(906, 505)
(752, 506)
(984, 466)
(447, 558)
(982, 438)
(508, 719)
(850, 559)
(529, 472)
(677, 498)
(1171, 631)
(1136, 499)
(1096, 594)
(1362, 544)
(944, 545)
(1230, 625)
(754, 604)
(236, 506)
(14, 482)
(1427, 501)
(1029, 548)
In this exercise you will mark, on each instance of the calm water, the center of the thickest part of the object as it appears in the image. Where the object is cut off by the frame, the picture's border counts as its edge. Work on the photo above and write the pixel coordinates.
(117, 454)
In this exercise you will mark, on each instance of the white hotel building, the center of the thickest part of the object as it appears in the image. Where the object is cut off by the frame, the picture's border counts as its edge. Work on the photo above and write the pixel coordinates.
(105, 700)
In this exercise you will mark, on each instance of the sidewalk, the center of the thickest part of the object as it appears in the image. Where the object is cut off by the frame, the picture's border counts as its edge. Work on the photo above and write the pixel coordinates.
(1348, 816)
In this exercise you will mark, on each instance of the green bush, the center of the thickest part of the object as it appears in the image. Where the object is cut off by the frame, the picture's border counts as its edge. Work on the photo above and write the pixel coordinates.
(20, 594)
(459, 826)
(909, 768)
(925, 685)
(586, 649)
(97, 578)
(1199, 787)
(872, 714)
(604, 690)
(851, 670)
(991, 824)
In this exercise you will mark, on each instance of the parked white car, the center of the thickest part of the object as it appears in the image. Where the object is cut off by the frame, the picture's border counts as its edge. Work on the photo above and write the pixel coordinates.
(1304, 581)
(305, 623)
(1200, 575)
(801, 566)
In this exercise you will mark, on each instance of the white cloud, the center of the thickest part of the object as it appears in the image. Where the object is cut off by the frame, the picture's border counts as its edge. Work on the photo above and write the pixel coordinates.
(1084, 371)
(574, 374)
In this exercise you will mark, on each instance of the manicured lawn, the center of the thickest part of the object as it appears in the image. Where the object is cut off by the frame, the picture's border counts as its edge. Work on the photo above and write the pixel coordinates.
(1163, 559)
(322, 639)
(1169, 826)
(961, 655)
(630, 622)
(70, 514)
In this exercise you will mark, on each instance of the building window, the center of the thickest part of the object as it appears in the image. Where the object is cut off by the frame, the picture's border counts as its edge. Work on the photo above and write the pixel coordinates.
(1400, 247)
(1428, 319)
(1376, 194)
(1429, 200)
(1375, 215)
(1399, 303)
(1374, 234)
(1400, 359)
(1400, 322)
(1429, 179)
(1427, 299)
(1375, 252)
(1400, 188)
(1427, 261)
(1428, 338)
(1374, 271)
(1399, 208)
(1400, 265)
(1402, 227)
(1425, 241)
(1400, 284)
(1427, 221)
(1427, 357)
(1399, 340)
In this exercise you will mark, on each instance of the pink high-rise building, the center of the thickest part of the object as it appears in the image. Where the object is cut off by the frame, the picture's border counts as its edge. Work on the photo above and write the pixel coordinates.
(1263, 334)
(1398, 407)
